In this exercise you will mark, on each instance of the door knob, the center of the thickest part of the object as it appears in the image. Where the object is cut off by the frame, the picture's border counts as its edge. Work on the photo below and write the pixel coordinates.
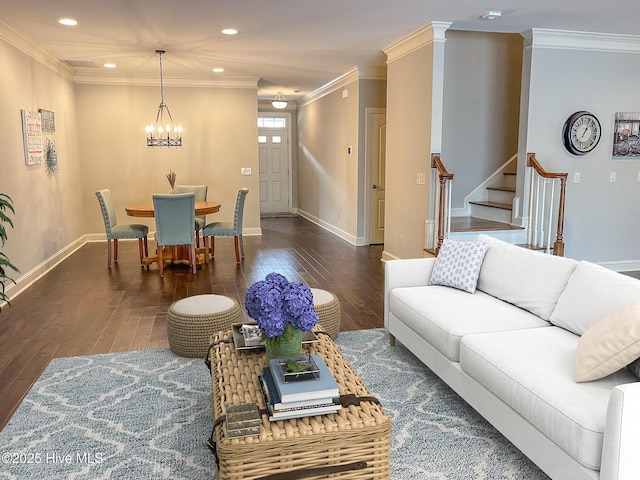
(374, 186)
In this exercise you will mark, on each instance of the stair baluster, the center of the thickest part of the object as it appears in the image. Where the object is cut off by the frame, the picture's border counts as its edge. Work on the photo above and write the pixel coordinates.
(539, 198)
(444, 201)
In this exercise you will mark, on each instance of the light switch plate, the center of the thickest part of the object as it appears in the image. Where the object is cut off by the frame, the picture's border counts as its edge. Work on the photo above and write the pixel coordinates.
(245, 171)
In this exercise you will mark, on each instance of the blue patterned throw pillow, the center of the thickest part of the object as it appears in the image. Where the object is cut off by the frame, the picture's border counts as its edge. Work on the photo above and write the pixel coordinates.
(458, 265)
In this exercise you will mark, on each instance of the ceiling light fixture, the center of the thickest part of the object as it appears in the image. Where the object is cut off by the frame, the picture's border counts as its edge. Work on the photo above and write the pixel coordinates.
(69, 22)
(229, 31)
(279, 102)
(218, 70)
(109, 65)
(491, 15)
(163, 135)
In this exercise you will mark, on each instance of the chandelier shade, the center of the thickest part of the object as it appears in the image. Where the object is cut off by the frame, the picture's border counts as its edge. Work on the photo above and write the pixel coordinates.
(163, 133)
(279, 102)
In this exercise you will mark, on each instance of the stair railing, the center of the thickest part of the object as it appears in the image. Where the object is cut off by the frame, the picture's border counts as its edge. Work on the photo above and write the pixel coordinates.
(543, 207)
(442, 199)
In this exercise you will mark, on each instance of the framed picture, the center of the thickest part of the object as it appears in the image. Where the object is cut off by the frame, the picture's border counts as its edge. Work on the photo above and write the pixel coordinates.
(48, 120)
(32, 137)
(626, 135)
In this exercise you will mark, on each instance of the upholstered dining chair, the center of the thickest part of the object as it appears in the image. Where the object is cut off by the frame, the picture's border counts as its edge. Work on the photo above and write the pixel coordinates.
(227, 229)
(200, 192)
(175, 217)
(116, 231)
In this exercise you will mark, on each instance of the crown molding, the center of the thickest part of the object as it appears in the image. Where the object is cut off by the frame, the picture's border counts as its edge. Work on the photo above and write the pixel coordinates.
(89, 76)
(358, 72)
(588, 41)
(434, 32)
(26, 46)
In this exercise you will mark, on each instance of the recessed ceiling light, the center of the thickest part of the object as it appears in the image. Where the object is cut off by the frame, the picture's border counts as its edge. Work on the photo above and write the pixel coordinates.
(218, 69)
(229, 31)
(109, 65)
(69, 22)
(491, 15)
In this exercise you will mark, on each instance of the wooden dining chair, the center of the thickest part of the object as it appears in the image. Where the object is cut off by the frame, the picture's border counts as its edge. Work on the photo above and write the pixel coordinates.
(200, 192)
(175, 217)
(116, 231)
(227, 229)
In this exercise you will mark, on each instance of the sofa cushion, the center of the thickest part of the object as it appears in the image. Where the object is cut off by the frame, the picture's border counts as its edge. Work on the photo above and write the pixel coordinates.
(532, 371)
(609, 345)
(526, 278)
(443, 315)
(592, 293)
(458, 265)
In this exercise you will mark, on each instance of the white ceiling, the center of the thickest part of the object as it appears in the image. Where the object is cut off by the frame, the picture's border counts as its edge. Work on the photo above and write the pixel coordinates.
(290, 45)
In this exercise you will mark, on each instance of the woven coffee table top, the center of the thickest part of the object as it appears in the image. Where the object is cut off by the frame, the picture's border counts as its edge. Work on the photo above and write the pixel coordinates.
(235, 380)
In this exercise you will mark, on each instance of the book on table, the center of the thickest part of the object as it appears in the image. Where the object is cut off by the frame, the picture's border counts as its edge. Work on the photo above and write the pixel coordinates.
(304, 398)
(294, 409)
(321, 388)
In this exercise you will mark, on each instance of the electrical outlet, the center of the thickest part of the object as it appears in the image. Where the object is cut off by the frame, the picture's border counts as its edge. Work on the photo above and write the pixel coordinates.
(576, 177)
(245, 171)
(400, 239)
(612, 177)
(420, 178)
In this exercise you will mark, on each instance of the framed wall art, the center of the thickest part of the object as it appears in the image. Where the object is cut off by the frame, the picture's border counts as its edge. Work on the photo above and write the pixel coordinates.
(626, 135)
(48, 120)
(32, 137)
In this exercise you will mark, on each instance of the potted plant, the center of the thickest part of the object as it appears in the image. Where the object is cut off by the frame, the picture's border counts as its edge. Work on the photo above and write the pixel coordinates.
(6, 204)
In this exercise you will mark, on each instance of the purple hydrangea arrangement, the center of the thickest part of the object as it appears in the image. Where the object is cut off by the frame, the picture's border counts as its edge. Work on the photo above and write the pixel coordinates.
(280, 306)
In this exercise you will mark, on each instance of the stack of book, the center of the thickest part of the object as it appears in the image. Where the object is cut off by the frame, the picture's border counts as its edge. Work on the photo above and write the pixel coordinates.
(299, 394)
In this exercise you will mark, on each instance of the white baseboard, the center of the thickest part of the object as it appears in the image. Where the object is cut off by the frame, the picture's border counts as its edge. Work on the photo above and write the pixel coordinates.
(358, 241)
(27, 279)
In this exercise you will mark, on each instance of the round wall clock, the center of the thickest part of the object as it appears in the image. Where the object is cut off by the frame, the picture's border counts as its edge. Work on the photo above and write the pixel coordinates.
(581, 133)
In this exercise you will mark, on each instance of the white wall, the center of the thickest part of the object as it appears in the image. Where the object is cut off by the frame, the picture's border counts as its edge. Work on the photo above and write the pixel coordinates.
(571, 71)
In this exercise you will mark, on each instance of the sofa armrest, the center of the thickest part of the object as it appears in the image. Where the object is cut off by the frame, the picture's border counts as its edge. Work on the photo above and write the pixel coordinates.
(620, 452)
(410, 272)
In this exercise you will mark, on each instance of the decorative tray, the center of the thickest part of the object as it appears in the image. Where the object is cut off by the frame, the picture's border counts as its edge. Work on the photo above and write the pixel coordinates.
(251, 343)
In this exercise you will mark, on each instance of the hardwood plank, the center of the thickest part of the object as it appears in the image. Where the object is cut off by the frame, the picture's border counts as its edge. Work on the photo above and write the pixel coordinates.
(83, 308)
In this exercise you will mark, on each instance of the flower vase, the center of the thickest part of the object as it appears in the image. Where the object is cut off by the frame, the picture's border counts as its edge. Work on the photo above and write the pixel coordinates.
(285, 346)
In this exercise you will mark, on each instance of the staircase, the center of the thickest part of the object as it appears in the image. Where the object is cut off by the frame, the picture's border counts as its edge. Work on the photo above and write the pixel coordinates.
(490, 209)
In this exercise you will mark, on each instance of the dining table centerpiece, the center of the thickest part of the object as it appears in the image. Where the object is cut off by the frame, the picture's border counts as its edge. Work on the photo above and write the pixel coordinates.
(283, 310)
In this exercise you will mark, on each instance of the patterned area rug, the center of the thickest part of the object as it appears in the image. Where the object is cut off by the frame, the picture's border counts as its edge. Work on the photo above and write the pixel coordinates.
(147, 414)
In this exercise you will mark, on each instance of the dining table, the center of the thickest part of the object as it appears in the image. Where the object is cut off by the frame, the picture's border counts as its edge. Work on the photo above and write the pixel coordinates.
(145, 210)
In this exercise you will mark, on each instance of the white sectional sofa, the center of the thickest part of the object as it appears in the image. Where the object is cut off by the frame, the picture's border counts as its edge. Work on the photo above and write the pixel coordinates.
(509, 350)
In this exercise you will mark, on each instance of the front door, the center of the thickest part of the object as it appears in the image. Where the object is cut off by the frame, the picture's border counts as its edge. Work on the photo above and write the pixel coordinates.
(273, 150)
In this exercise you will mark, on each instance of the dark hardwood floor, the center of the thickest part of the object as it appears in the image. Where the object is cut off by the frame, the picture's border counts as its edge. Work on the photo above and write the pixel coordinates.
(83, 308)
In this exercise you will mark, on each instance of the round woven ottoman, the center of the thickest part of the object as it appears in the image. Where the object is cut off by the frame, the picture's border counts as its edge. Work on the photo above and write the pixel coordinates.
(327, 307)
(192, 320)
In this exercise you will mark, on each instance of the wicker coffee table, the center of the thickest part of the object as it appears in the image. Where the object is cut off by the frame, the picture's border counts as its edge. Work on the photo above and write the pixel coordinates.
(350, 444)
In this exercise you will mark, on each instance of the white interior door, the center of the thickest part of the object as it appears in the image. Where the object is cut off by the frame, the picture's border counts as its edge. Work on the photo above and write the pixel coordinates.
(273, 150)
(377, 147)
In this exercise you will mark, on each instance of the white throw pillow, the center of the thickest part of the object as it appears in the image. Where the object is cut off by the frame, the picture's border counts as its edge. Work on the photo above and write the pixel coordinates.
(458, 265)
(609, 345)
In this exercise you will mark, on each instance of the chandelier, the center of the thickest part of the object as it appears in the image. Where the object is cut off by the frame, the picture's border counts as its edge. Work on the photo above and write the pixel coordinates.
(163, 134)
(279, 102)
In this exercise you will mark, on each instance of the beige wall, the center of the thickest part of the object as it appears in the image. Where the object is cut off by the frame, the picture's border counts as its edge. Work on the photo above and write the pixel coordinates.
(409, 116)
(49, 210)
(220, 137)
(331, 184)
